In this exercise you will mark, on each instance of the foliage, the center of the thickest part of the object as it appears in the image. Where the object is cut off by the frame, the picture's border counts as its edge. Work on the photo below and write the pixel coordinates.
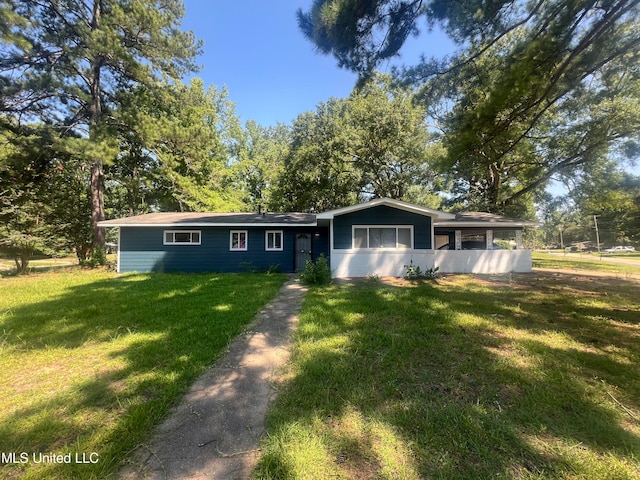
(414, 271)
(614, 197)
(28, 194)
(193, 142)
(97, 373)
(261, 153)
(536, 89)
(70, 206)
(603, 190)
(351, 30)
(273, 268)
(177, 155)
(317, 273)
(373, 144)
(64, 63)
(97, 258)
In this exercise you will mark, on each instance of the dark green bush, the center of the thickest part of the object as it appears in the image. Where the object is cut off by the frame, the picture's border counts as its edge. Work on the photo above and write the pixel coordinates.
(317, 273)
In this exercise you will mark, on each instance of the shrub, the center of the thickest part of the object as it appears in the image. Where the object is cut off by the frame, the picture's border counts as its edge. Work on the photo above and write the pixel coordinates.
(273, 268)
(317, 273)
(414, 271)
(98, 258)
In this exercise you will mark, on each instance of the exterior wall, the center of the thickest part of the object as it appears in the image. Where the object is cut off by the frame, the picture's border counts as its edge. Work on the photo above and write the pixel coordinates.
(349, 263)
(320, 242)
(483, 261)
(381, 215)
(141, 249)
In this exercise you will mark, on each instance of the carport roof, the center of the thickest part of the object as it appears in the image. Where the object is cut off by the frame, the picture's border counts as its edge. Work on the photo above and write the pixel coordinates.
(484, 220)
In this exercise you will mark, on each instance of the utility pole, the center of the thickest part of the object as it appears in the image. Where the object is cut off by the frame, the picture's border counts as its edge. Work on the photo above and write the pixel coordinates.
(561, 239)
(595, 221)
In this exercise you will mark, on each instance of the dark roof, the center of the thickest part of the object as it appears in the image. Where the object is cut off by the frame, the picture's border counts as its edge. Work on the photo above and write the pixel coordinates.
(195, 219)
(200, 219)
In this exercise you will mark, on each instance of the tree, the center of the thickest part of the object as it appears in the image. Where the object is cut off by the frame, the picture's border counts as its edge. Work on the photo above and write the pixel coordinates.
(318, 172)
(360, 33)
(537, 88)
(69, 209)
(613, 195)
(390, 143)
(260, 162)
(193, 142)
(64, 62)
(373, 144)
(25, 194)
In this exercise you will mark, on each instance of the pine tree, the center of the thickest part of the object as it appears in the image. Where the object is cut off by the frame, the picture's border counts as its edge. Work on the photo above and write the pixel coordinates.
(63, 62)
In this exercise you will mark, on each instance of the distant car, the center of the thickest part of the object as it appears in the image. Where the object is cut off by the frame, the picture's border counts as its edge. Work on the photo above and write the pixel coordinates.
(620, 249)
(630, 248)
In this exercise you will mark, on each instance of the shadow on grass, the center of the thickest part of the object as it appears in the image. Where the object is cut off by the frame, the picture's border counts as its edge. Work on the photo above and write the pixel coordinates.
(477, 378)
(124, 349)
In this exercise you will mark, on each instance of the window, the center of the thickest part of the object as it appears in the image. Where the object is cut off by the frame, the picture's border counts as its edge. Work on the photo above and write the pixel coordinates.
(273, 241)
(238, 240)
(382, 237)
(182, 237)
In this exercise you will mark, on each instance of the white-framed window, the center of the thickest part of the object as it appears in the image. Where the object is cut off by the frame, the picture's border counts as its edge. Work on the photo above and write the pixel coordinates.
(238, 240)
(181, 237)
(273, 241)
(382, 236)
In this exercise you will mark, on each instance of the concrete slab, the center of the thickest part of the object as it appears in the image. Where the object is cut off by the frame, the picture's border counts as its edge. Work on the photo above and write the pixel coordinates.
(215, 431)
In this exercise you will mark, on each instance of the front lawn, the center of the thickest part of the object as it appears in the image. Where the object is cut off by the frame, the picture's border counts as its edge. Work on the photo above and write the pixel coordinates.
(91, 361)
(532, 376)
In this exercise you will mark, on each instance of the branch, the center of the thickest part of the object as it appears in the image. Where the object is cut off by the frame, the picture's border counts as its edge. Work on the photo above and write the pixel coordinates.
(483, 50)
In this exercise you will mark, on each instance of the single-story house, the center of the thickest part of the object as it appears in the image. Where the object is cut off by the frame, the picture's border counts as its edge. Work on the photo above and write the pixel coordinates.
(378, 237)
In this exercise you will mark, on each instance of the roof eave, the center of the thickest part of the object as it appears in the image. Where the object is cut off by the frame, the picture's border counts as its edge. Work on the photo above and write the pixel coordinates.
(329, 215)
(109, 223)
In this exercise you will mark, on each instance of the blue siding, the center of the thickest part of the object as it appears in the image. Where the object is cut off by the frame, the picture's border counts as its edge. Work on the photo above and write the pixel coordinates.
(320, 242)
(142, 250)
(381, 215)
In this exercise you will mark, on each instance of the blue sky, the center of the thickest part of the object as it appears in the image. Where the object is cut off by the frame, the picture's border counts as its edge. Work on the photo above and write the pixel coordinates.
(272, 73)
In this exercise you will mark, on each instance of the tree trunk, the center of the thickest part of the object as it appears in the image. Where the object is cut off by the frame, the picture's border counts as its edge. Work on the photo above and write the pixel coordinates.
(97, 204)
(97, 176)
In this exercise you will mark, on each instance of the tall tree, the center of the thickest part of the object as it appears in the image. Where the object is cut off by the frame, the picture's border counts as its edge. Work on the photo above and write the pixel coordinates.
(260, 161)
(373, 144)
(63, 62)
(28, 224)
(318, 171)
(536, 89)
(193, 142)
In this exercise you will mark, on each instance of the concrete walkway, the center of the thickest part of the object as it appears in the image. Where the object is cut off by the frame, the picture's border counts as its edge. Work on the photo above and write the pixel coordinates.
(215, 431)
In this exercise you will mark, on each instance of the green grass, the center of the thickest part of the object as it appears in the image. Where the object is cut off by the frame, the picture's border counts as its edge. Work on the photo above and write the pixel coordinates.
(515, 376)
(586, 262)
(8, 266)
(91, 361)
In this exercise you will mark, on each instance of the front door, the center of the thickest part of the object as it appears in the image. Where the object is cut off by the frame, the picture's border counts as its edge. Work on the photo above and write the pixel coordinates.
(303, 250)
